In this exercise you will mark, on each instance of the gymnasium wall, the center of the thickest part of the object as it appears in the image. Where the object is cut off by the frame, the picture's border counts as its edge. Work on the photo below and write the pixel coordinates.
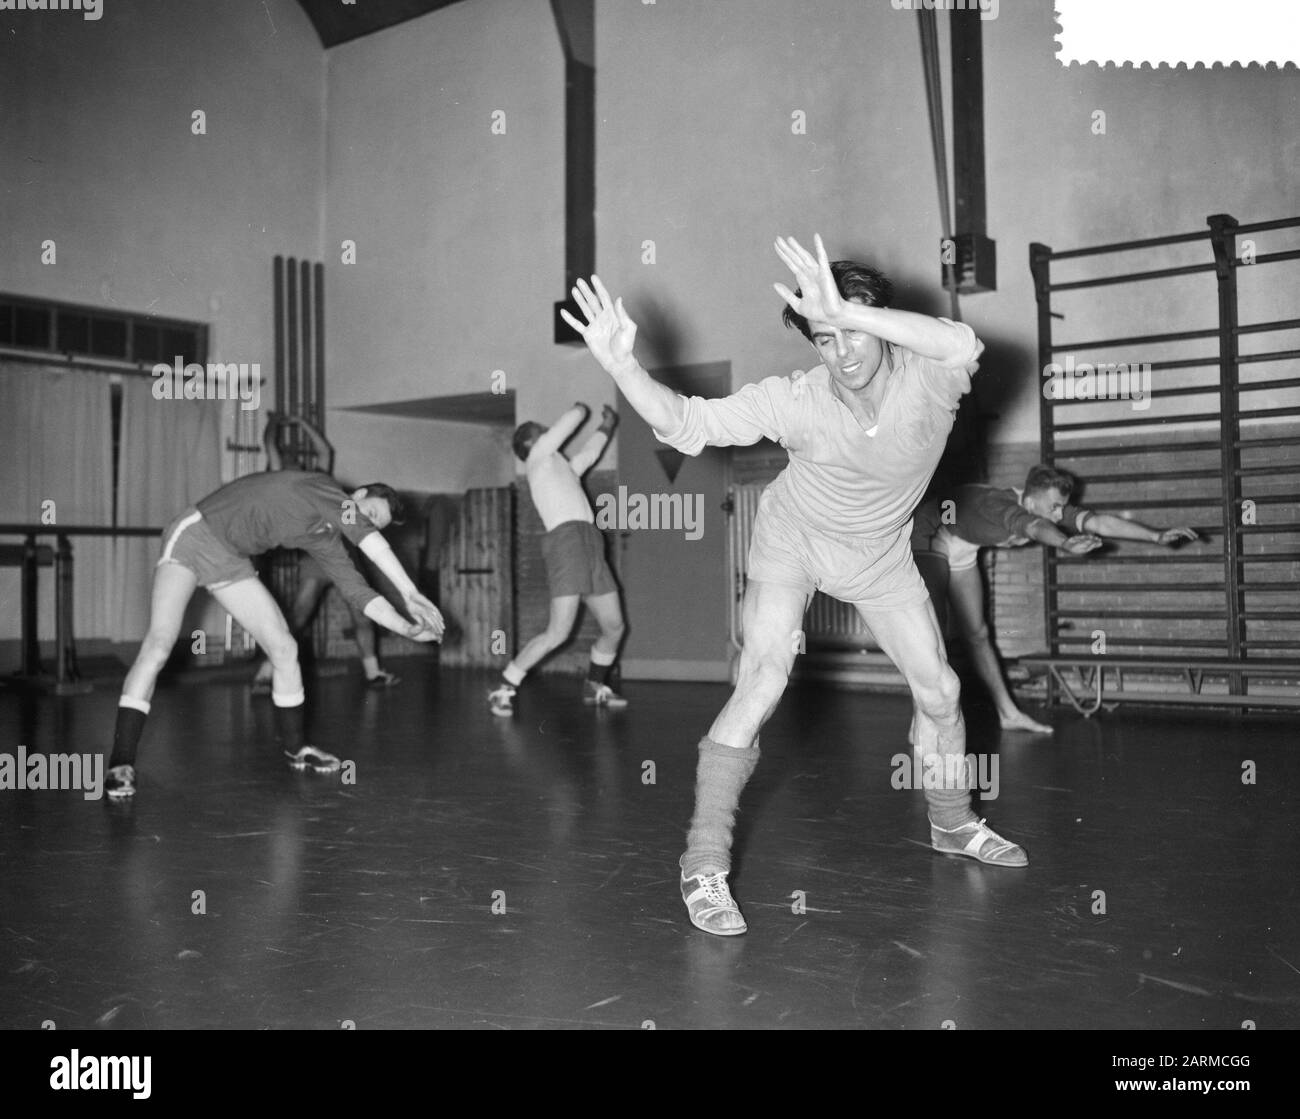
(147, 216)
(459, 229)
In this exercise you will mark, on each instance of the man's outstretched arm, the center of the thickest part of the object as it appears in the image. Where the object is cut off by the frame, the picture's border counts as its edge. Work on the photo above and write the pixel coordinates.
(559, 433)
(944, 342)
(594, 447)
(417, 605)
(688, 423)
(610, 334)
(1123, 528)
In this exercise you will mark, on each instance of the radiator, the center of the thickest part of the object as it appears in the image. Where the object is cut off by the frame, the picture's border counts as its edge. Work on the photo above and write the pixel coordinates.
(828, 621)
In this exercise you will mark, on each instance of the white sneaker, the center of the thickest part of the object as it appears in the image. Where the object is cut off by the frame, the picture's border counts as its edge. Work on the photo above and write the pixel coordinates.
(710, 905)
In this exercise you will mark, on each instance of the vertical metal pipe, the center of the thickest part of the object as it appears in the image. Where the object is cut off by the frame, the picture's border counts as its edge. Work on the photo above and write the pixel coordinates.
(1040, 264)
(306, 382)
(31, 575)
(292, 403)
(278, 286)
(1224, 240)
(65, 660)
(318, 290)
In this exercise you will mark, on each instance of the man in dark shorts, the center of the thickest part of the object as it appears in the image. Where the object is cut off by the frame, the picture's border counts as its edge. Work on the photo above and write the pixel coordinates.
(211, 546)
(574, 551)
(947, 534)
(864, 431)
(313, 582)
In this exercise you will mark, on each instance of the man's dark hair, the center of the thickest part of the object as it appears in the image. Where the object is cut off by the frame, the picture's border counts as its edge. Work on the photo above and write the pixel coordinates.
(1042, 478)
(526, 434)
(382, 490)
(857, 283)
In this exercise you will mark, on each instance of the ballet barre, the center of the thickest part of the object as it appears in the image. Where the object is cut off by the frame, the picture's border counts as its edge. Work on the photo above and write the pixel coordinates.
(31, 557)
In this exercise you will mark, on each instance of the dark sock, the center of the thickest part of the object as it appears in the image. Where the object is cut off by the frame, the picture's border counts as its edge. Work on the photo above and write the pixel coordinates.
(288, 727)
(720, 776)
(126, 736)
(598, 674)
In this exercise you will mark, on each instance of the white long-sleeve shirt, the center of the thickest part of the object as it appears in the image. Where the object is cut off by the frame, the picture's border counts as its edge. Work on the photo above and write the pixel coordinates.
(841, 478)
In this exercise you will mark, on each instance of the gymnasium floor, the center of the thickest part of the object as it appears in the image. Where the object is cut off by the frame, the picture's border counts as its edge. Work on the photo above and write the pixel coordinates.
(372, 903)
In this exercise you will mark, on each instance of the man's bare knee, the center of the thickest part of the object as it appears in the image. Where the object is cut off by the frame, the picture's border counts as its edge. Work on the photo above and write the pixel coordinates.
(976, 637)
(155, 649)
(939, 698)
(763, 674)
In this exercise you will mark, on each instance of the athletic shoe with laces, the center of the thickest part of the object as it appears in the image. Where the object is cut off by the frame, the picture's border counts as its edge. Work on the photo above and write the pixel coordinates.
(308, 757)
(976, 840)
(601, 695)
(119, 783)
(502, 700)
(710, 904)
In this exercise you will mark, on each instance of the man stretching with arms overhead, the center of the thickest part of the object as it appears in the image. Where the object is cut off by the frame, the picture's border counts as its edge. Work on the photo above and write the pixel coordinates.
(864, 431)
(574, 553)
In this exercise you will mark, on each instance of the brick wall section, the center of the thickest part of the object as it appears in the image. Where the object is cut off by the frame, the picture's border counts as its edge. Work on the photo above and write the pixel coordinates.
(532, 597)
(1013, 576)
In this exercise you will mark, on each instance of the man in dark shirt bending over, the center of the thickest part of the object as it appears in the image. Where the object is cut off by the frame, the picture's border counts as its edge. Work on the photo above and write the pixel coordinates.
(947, 534)
(210, 546)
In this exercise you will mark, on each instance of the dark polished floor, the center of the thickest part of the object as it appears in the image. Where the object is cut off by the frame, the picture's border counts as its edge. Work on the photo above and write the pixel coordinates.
(373, 903)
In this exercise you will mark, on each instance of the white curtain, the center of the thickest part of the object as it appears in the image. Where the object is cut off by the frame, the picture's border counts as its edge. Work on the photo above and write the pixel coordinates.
(56, 447)
(169, 457)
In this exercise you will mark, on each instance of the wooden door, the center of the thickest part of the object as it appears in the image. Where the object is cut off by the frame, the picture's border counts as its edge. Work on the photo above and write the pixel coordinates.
(476, 580)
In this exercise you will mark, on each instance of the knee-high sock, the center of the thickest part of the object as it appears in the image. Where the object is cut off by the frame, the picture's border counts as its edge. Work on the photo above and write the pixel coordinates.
(288, 720)
(720, 776)
(949, 806)
(131, 714)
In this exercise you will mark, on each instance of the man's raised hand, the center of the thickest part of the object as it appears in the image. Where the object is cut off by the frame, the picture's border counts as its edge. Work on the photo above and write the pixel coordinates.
(819, 300)
(608, 331)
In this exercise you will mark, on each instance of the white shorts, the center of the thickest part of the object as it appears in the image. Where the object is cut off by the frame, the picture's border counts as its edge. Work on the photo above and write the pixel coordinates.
(877, 574)
(961, 554)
